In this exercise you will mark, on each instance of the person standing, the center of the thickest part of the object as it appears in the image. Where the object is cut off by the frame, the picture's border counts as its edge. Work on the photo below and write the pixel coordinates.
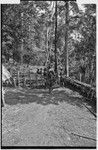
(50, 79)
(45, 77)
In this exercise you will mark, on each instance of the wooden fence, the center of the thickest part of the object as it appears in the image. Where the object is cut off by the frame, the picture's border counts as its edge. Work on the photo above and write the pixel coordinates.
(27, 79)
(33, 80)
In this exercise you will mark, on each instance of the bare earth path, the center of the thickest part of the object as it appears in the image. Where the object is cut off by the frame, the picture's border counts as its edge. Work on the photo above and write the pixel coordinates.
(35, 118)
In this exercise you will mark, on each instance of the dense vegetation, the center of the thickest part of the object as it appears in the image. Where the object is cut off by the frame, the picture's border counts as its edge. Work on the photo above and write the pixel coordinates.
(41, 32)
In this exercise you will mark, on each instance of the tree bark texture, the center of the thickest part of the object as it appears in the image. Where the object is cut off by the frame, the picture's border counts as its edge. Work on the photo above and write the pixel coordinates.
(66, 71)
(56, 37)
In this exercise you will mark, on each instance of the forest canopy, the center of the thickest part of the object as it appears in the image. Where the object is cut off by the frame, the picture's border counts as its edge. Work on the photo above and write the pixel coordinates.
(34, 32)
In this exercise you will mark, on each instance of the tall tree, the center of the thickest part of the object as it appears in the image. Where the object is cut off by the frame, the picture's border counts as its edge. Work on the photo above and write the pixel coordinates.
(22, 39)
(66, 38)
(56, 37)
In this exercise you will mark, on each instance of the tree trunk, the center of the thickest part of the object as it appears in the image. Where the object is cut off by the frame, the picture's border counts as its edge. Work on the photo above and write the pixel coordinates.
(80, 77)
(92, 64)
(47, 47)
(55, 37)
(66, 71)
(90, 68)
(22, 39)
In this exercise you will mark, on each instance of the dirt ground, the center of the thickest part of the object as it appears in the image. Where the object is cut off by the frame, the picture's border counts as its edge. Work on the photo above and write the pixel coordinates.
(32, 117)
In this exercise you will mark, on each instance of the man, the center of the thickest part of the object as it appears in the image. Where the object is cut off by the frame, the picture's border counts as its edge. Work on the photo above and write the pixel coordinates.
(38, 71)
(45, 77)
(50, 79)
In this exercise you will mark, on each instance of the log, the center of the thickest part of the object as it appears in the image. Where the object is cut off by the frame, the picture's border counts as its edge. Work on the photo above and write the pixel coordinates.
(84, 89)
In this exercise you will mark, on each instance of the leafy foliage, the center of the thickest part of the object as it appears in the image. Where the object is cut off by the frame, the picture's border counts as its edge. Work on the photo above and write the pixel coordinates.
(32, 24)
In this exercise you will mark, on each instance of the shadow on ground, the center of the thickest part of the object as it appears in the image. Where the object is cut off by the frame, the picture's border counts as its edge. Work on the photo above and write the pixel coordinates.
(42, 96)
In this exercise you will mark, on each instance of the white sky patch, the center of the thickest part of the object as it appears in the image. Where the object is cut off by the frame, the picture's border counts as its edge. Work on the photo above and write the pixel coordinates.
(9, 1)
(77, 36)
(87, 1)
(81, 7)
